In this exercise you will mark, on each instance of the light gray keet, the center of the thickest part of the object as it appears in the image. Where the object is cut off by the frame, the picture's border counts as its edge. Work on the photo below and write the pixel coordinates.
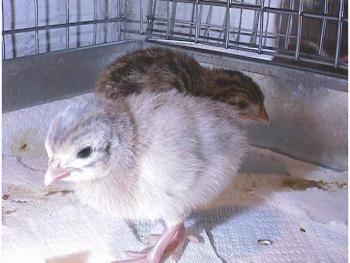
(148, 156)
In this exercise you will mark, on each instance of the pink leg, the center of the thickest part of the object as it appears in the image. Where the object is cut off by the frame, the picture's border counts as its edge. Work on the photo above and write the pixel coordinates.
(165, 240)
(155, 254)
(175, 247)
(177, 243)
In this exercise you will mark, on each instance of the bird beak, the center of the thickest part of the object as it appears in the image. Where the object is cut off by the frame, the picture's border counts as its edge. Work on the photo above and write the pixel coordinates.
(263, 116)
(260, 117)
(54, 174)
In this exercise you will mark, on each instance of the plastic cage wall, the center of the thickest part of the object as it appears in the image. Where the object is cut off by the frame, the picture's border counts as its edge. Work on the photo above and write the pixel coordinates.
(302, 33)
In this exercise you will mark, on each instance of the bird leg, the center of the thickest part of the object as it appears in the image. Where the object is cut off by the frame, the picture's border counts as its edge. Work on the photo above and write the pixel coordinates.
(177, 243)
(171, 241)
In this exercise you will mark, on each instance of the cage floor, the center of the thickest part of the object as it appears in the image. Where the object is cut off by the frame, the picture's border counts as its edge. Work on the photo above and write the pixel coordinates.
(277, 210)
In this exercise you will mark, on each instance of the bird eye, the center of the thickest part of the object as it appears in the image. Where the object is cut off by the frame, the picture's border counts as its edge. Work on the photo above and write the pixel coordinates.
(242, 105)
(84, 153)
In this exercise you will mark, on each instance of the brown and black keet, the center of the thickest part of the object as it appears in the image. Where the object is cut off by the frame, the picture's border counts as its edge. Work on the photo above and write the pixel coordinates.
(162, 69)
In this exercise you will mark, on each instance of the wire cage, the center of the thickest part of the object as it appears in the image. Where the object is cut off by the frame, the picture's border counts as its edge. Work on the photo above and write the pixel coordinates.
(307, 34)
(314, 32)
(58, 25)
(294, 50)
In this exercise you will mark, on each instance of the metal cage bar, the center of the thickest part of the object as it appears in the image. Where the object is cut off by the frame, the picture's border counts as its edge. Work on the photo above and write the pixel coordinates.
(198, 22)
(67, 24)
(339, 31)
(36, 8)
(289, 26)
(253, 37)
(257, 28)
(71, 38)
(261, 26)
(324, 26)
(95, 23)
(227, 24)
(3, 36)
(141, 18)
(299, 30)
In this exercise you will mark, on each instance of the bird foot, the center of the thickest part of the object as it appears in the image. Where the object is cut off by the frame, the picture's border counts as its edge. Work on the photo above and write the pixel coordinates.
(170, 243)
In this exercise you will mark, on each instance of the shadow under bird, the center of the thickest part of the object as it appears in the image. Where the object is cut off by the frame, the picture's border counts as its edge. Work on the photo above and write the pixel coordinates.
(162, 69)
(147, 157)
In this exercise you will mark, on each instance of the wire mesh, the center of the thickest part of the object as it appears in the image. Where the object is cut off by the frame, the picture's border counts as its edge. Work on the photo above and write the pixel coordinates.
(307, 33)
(303, 32)
(40, 26)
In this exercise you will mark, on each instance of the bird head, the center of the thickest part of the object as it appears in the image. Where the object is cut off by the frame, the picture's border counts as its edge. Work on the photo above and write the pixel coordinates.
(242, 93)
(79, 143)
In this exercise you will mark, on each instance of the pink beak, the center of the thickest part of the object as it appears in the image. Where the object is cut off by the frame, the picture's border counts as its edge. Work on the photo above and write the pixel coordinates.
(54, 174)
(262, 116)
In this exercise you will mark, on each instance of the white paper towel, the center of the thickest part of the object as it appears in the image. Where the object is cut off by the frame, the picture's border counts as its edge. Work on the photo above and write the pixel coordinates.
(299, 210)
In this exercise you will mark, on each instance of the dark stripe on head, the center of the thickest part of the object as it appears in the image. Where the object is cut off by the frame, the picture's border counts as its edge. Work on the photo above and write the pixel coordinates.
(253, 88)
(240, 83)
